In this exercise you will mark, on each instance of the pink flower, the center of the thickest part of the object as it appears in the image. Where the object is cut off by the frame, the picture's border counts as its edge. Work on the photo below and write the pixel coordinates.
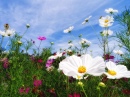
(37, 83)
(41, 38)
(5, 63)
(39, 60)
(49, 62)
(74, 95)
(24, 90)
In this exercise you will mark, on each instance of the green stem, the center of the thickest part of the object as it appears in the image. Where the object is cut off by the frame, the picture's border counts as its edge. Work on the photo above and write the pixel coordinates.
(84, 91)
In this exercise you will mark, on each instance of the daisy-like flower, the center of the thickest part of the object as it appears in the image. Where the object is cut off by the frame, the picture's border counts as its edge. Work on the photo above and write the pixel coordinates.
(85, 41)
(111, 10)
(116, 71)
(106, 21)
(68, 30)
(106, 33)
(2, 33)
(86, 20)
(118, 52)
(10, 32)
(41, 38)
(78, 66)
(58, 54)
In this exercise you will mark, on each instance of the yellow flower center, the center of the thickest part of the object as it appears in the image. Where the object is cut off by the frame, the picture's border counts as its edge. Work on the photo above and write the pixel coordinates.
(112, 72)
(82, 69)
(106, 21)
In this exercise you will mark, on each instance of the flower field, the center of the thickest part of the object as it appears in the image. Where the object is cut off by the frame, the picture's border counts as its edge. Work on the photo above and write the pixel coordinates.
(71, 72)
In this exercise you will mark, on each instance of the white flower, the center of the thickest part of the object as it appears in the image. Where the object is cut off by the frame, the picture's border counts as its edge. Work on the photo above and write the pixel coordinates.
(107, 32)
(49, 69)
(10, 32)
(86, 20)
(7, 32)
(84, 41)
(106, 21)
(116, 71)
(57, 55)
(69, 29)
(3, 33)
(111, 10)
(69, 50)
(119, 52)
(78, 66)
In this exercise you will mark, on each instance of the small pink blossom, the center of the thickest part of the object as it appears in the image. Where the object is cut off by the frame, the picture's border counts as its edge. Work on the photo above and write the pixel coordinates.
(39, 60)
(37, 83)
(42, 38)
(24, 90)
(74, 95)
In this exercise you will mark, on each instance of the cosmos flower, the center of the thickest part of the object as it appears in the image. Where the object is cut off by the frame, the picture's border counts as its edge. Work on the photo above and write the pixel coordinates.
(118, 52)
(42, 38)
(84, 41)
(24, 90)
(111, 10)
(74, 95)
(106, 33)
(116, 71)
(78, 66)
(86, 20)
(37, 83)
(57, 55)
(68, 30)
(106, 21)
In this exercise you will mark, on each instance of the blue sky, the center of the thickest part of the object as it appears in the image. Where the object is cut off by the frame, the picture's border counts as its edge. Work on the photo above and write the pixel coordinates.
(50, 17)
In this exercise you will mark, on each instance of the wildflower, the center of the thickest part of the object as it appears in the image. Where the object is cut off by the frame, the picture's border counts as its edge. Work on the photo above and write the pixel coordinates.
(78, 66)
(41, 38)
(85, 42)
(68, 30)
(116, 71)
(74, 95)
(37, 83)
(49, 69)
(5, 63)
(24, 90)
(3, 34)
(111, 10)
(57, 55)
(86, 20)
(118, 52)
(10, 32)
(49, 62)
(106, 21)
(27, 25)
(39, 60)
(106, 33)
(108, 57)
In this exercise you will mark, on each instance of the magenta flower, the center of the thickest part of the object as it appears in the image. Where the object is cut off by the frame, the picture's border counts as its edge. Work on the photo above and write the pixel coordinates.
(24, 90)
(74, 95)
(42, 38)
(39, 60)
(49, 62)
(5, 63)
(37, 83)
